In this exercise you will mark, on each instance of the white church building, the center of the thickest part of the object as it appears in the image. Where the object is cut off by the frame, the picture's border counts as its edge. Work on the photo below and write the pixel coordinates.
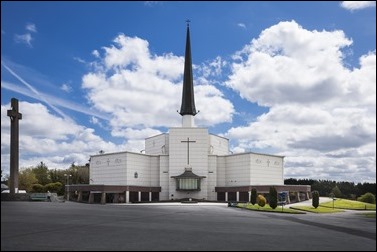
(186, 163)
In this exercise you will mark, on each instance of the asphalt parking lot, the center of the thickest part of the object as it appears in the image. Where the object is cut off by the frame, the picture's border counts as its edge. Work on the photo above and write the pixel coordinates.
(49, 226)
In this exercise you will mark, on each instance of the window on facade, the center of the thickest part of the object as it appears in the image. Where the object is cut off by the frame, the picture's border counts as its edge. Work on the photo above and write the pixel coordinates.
(189, 184)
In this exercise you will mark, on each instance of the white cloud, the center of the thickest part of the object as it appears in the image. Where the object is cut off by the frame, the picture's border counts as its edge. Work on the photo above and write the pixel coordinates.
(357, 5)
(142, 89)
(94, 120)
(242, 25)
(66, 88)
(95, 53)
(136, 134)
(31, 27)
(319, 109)
(152, 3)
(78, 59)
(23, 39)
(57, 146)
(295, 64)
(26, 38)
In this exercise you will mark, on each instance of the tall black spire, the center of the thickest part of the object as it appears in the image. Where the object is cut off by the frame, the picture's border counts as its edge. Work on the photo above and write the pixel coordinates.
(188, 102)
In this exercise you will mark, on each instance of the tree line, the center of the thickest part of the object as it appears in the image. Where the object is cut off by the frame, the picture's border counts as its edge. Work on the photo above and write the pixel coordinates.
(42, 179)
(342, 189)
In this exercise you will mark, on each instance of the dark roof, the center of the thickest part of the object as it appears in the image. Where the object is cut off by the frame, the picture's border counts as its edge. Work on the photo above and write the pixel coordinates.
(188, 174)
(188, 101)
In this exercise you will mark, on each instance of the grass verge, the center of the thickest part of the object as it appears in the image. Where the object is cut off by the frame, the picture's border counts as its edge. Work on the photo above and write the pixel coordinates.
(349, 204)
(267, 208)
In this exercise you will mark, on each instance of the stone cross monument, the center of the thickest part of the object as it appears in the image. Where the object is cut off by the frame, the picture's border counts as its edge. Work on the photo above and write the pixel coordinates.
(15, 116)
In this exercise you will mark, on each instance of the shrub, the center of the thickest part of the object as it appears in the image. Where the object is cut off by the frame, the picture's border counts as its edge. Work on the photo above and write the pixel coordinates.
(367, 198)
(273, 197)
(53, 187)
(261, 200)
(37, 188)
(253, 196)
(315, 199)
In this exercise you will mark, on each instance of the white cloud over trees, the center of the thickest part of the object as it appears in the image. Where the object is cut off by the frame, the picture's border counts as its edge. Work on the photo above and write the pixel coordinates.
(318, 107)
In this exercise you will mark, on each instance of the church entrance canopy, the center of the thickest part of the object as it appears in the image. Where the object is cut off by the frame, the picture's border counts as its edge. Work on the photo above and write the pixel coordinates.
(188, 181)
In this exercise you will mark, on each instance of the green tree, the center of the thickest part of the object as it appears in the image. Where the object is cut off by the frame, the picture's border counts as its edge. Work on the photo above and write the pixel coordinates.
(253, 196)
(80, 174)
(315, 199)
(26, 179)
(273, 197)
(53, 187)
(42, 174)
(367, 198)
(53, 175)
(336, 191)
(38, 188)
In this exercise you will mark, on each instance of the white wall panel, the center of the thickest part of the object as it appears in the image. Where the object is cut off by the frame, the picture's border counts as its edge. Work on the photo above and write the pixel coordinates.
(237, 171)
(108, 169)
(157, 145)
(266, 170)
(218, 145)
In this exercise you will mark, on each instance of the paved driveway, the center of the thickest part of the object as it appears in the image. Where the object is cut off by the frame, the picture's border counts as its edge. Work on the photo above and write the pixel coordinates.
(77, 226)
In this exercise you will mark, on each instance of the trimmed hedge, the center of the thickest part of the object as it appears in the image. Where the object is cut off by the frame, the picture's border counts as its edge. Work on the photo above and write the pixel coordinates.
(315, 199)
(253, 196)
(273, 197)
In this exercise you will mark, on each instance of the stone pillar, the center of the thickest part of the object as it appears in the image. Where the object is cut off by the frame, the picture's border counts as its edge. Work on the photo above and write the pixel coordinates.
(298, 196)
(150, 196)
(127, 197)
(249, 195)
(237, 196)
(15, 116)
(139, 196)
(288, 198)
(226, 196)
(307, 196)
(91, 198)
(79, 198)
(103, 198)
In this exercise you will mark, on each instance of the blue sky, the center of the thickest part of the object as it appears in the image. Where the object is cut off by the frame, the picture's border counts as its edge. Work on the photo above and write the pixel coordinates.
(287, 78)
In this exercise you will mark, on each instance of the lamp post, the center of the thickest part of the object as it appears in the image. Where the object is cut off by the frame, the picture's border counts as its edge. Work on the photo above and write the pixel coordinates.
(67, 184)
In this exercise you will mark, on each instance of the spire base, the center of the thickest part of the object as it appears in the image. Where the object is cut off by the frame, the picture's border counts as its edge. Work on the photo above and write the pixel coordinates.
(188, 121)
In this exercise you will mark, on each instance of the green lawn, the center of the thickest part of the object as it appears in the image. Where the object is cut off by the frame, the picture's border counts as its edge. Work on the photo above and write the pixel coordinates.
(267, 208)
(317, 210)
(349, 204)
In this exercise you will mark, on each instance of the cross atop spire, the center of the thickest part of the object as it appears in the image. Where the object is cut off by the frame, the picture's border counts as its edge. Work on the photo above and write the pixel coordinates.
(188, 101)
